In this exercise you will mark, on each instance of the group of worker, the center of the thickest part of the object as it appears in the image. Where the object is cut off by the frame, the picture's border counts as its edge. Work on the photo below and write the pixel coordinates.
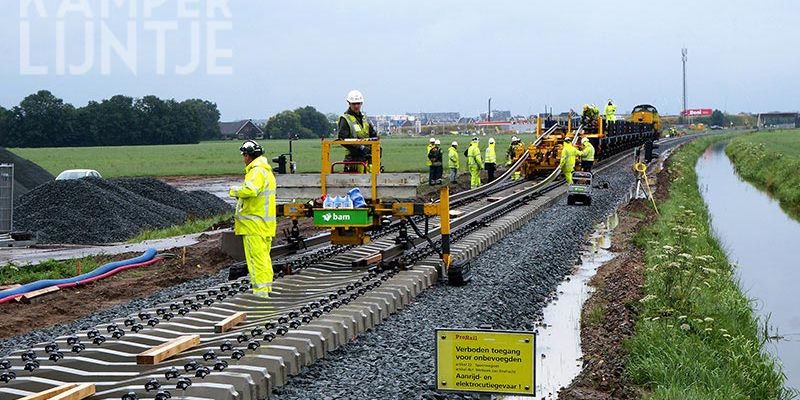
(475, 162)
(570, 155)
(591, 112)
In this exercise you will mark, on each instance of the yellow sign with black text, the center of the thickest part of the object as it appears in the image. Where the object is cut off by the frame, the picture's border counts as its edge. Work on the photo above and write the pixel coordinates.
(485, 361)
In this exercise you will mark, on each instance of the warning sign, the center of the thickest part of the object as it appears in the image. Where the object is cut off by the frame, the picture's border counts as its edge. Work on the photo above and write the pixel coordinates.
(485, 361)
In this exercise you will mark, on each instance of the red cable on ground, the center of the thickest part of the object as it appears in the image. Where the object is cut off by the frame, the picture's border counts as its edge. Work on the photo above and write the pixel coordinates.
(96, 278)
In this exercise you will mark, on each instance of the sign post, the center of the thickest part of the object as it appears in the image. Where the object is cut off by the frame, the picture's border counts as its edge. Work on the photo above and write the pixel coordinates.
(486, 361)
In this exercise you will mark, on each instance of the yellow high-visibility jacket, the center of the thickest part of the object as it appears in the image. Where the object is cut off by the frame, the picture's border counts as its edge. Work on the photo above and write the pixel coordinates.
(452, 158)
(428, 151)
(587, 154)
(491, 156)
(611, 111)
(474, 155)
(568, 155)
(255, 201)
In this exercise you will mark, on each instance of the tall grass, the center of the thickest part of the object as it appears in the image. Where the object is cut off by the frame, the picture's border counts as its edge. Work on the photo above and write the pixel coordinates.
(771, 161)
(697, 336)
(191, 226)
(51, 269)
(400, 154)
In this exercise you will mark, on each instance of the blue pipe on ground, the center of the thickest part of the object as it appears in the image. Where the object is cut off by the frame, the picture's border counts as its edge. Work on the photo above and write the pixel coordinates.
(29, 287)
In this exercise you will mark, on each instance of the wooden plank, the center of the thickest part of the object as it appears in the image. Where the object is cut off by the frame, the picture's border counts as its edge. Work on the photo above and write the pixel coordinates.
(168, 349)
(456, 213)
(79, 392)
(26, 298)
(47, 394)
(228, 323)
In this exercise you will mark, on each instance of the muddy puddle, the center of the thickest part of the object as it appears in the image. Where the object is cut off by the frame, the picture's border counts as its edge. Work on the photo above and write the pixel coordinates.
(558, 343)
(763, 242)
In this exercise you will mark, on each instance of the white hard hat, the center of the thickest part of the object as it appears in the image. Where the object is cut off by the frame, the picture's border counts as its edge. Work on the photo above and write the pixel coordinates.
(475, 139)
(437, 142)
(454, 144)
(491, 140)
(354, 96)
(585, 140)
(432, 140)
(514, 138)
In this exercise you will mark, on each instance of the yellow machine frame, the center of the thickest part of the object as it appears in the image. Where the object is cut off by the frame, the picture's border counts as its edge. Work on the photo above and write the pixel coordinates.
(357, 235)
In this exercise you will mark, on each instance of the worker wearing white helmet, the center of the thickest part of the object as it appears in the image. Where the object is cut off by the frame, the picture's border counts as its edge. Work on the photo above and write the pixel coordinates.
(353, 124)
(431, 141)
(453, 161)
(490, 160)
(474, 163)
(586, 154)
(435, 157)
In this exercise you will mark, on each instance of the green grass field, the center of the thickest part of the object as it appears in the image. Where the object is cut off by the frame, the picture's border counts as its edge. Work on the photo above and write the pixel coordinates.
(222, 157)
(770, 160)
(697, 336)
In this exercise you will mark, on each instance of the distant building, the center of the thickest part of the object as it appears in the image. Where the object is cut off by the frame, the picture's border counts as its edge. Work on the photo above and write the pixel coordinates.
(498, 115)
(437, 117)
(245, 129)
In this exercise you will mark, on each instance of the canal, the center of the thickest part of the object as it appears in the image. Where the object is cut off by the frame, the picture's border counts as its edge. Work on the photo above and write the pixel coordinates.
(763, 242)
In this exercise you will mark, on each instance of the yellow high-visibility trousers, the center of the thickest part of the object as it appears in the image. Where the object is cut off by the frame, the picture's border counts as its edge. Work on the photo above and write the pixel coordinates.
(259, 264)
(474, 176)
(568, 176)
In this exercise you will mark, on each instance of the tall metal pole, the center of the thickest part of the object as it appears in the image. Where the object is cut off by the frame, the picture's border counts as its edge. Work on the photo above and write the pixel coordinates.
(489, 114)
(684, 51)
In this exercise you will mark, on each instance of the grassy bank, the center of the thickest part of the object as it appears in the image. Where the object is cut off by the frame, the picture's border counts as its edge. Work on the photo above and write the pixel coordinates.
(186, 228)
(222, 157)
(12, 274)
(770, 160)
(697, 336)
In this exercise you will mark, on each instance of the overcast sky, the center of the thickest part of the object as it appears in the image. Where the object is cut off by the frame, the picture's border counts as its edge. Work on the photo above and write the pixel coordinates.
(406, 56)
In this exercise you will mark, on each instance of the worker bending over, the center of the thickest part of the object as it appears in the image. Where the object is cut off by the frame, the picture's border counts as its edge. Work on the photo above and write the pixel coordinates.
(453, 161)
(428, 162)
(515, 148)
(435, 156)
(568, 156)
(611, 111)
(255, 216)
(474, 163)
(587, 155)
(353, 124)
(490, 161)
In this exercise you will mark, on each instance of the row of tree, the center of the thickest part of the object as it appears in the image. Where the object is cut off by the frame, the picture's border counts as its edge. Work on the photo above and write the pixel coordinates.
(44, 120)
(305, 122)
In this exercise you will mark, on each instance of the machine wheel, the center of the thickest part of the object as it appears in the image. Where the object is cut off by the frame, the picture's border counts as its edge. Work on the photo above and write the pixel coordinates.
(459, 274)
(570, 200)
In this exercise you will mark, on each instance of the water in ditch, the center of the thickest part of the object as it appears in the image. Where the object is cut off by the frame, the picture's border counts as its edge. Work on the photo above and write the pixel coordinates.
(763, 242)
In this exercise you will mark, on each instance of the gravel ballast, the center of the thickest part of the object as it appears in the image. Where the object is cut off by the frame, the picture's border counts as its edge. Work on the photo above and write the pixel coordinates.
(512, 282)
(27, 174)
(90, 210)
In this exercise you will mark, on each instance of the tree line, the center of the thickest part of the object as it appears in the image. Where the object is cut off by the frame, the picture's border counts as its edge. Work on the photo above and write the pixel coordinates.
(304, 122)
(44, 120)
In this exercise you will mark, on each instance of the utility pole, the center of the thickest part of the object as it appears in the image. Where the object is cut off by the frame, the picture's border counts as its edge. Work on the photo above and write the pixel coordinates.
(684, 51)
(489, 114)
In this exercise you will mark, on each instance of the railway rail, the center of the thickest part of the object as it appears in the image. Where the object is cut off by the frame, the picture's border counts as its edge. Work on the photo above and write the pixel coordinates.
(332, 294)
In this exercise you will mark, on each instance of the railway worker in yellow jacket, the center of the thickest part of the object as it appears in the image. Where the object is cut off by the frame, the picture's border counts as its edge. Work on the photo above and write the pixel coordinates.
(453, 161)
(569, 154)
(611, 111)
(255, 216)
(474, 163)
(490, 161)
(587, 155)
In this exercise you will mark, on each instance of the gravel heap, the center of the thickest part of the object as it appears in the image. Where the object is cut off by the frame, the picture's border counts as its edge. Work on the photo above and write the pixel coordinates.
(27, 175)
(512, 282)
(90, 210)
(27, 340)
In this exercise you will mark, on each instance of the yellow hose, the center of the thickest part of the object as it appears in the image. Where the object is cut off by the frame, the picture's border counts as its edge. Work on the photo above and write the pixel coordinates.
(642, 169)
